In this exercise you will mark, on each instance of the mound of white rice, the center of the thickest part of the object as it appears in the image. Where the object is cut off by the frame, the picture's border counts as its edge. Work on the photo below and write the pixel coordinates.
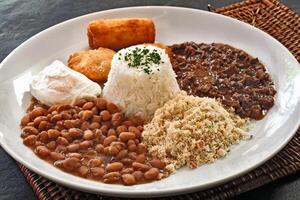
(140, 90)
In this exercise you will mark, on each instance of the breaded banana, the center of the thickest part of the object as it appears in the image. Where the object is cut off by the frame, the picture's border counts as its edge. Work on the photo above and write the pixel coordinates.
(95, 64)
(120, 33)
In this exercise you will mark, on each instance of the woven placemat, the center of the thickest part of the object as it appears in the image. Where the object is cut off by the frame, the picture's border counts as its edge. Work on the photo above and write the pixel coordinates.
(271, 17)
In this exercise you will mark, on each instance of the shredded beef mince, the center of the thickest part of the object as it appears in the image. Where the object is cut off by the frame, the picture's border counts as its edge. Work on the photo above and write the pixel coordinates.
(224, 72)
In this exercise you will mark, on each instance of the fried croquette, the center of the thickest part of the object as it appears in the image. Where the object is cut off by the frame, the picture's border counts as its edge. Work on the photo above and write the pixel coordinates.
(95, 64)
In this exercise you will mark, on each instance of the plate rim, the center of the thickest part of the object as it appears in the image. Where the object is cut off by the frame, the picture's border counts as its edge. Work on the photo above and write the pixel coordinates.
(135, 193)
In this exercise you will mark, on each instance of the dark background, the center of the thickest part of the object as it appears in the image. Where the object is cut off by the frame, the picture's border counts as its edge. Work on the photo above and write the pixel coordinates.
(21, 19)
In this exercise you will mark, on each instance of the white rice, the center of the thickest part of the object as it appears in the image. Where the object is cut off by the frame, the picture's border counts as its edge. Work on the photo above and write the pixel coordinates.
(137, 92)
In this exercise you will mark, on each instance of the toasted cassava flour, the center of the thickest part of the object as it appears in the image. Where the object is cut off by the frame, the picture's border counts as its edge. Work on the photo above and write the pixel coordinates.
(191, 131)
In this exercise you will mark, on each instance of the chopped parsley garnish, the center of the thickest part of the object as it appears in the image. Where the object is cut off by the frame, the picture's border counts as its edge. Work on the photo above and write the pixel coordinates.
(142, 58)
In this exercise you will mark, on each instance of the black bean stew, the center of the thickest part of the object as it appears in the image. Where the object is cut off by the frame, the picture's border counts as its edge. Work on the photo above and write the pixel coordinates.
(221, 71)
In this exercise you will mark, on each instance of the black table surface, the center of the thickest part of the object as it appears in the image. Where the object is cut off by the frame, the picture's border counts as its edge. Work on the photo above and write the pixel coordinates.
(21, 19)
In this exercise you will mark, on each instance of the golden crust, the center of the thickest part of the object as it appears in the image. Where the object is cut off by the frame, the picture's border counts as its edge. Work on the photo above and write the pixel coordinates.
(167, 49)
(95, 64)
(120, 33)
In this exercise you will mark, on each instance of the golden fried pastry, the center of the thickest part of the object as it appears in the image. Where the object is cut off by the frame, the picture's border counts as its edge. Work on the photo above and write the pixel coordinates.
(95, 64)
(120, 33)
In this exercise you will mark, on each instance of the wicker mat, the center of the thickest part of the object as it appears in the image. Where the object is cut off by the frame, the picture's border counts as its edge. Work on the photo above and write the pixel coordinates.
(283, 24)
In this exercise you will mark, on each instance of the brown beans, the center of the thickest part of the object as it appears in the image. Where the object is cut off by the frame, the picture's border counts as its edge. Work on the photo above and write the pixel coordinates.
(111, 177)
(99, 148)
(135, 130)
(128, 179)
(101, 103)
(141, 158)
(125, 136)
(83, 171)
(87, 114)
(138, 175)
(56, 156)
(116, 119)
(88, 135)
(88, 105)
(51, 145)
(56, 118)
(73, 147)
(95, 162)
(97, 172)
(44, 125)
(127, 171)
(42, 151)
(71, 164)
(121, 129)
(112, 108)
(140, 167)
(126, 161)
(30, 140)
(62, 141)
(141, 148)
(30, 130)
(94, 125)
(105, 115)
(157, 163)
(25, 120)
(38, 111)
(113, 150)
(53, 133)
(38, 120)
(75, 132)
(107, 141)
(115, 166)
(151, 174)
(74, 155)
(86, 144)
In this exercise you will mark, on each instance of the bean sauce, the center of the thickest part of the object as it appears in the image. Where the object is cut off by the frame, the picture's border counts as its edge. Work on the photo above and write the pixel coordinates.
(220, 71)
(92, 140)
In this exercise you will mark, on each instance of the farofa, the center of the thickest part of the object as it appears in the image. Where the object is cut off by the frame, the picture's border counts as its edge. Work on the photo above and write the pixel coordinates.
(191, 131)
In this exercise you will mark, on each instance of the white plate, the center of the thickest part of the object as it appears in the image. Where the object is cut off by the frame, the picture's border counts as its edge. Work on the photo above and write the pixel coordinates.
(174, 25)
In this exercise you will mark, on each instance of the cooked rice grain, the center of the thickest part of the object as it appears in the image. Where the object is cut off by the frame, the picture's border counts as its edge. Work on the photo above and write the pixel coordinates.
(192, 131)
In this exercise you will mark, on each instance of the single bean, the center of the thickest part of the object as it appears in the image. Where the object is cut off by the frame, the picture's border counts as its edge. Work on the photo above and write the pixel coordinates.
(94, 125)
(88, 105)
(57, 156)
(127, 123)
(51, 145)
(127, 171)
(126, 161)
(53, 134)
(140, 166)
(113, 150)
(37, 121)
(86, 144)
(61, 108)
(39, 143)
(42, 151)
(101, 103)
(38, 111)
(121, 129)
(85, 125)
(130, 142)
(116, 119)
(104, 129)
(61, 148)
(111, 177)
(128, 179)
(141, 158)
(83, 171)
(80, 102)
(113, 167)
(75, 132)
(30, 130)
(99, 148)
(151, 174)
(119, 145)
(56, 118)
(95, 162)
(25, 120)
(87, 114)
(105, 115)
(106, 151)
(112, 108)
(44, 125)
(62, 141)
(125, 136)
(141, 128)
(157, 163)
(88, 135)
(135, 130)
(132, 155)
(30, 140)
(138, 175)
(111, 131)
(97, 172)
(68, 124)
(132, 147)
(107, 141)
(95, 110)
(66, 135)
(122, 154)
(73, 147)
(66, 116)
(141, 148)
(71, 164)
(96, 118)
(137, 121)
(74, 155)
